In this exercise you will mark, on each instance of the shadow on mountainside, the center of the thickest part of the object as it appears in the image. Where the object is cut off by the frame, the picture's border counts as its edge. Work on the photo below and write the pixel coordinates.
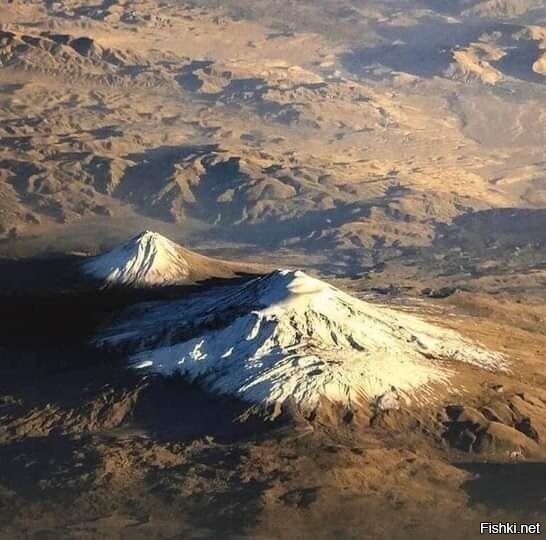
(424, 50)
(507, 486)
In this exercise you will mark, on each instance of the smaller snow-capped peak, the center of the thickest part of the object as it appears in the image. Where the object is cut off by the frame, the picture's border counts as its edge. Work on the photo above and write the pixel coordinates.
(287, 336)
(147, 259)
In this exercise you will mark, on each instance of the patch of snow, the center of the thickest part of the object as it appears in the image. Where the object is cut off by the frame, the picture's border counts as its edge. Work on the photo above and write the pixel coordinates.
(147, 259)
(288, 336)
(389, 401)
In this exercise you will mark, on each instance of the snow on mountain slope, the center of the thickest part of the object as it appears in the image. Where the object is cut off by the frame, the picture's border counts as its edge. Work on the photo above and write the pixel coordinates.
(147, 259)
(287, 336)
(150, 259)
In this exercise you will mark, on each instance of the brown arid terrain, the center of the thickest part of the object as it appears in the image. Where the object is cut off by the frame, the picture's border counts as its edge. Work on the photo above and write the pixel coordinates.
(394, 148)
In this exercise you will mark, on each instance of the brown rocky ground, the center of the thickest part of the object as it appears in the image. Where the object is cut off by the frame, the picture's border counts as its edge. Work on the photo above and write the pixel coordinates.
(268, 127)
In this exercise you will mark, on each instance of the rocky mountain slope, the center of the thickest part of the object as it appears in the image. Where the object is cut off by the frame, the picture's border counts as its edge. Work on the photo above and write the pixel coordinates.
(92, 449)
(289, 338)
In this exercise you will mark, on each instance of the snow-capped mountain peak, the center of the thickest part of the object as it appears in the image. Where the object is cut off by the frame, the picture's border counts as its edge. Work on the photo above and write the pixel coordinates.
(288, 285)
(287, 336)
(146, 259)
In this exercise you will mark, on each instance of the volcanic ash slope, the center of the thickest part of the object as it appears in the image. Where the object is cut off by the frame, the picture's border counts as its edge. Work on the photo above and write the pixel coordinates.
(289, 337)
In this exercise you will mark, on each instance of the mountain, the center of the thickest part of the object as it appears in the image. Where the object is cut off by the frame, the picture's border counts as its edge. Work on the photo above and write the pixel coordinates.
(289, 338)
(502, 8)
(150, 259)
